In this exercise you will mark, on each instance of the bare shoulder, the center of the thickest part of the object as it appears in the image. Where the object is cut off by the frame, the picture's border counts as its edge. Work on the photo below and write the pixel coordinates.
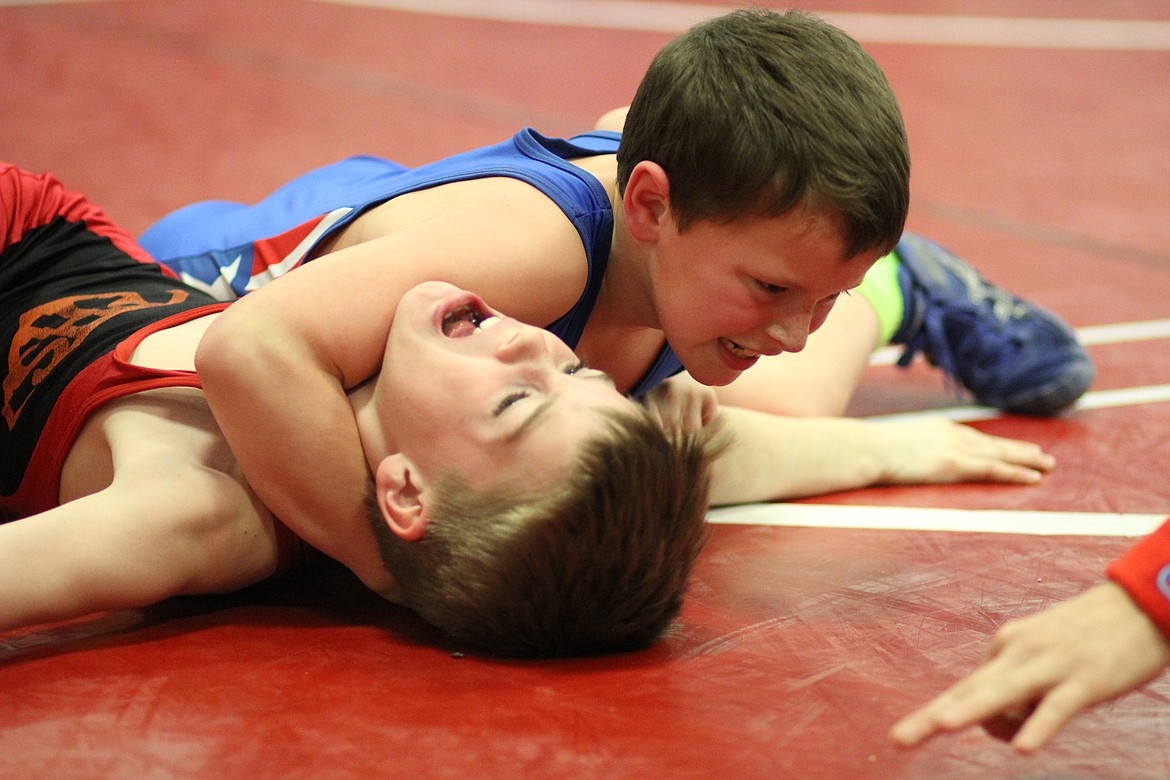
(155, 467)
(498, 236)
(614, 119)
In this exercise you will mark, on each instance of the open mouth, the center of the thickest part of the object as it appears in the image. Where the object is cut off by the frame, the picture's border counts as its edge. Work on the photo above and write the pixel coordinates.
(465, 319)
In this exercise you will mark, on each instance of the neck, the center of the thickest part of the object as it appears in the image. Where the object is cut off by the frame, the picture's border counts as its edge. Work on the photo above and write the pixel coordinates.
(626, 299)
(375, 445)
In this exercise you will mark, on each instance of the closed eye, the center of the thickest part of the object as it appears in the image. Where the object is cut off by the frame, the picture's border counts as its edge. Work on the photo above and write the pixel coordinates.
(508, 400)
(570, 369)
(768, 287)
(585, 372)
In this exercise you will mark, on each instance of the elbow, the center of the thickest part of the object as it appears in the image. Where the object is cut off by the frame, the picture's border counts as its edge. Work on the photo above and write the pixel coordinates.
(236, 352)
(221, 351)
(249, 350)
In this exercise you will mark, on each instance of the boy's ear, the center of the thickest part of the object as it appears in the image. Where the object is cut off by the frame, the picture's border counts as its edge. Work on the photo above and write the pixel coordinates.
(400, 492)
(646, 202)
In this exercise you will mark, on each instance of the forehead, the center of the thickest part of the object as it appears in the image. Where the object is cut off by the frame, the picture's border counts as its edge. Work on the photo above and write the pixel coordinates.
(811, 230)
(799, 244)
(513, 468)
(541, 442)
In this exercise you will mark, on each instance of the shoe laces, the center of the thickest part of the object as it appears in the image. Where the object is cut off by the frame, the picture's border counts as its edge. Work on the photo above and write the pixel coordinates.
(953, 334)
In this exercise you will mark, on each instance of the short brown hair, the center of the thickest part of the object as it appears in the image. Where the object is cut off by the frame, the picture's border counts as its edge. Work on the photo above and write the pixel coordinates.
(597, 564)
(756, 111)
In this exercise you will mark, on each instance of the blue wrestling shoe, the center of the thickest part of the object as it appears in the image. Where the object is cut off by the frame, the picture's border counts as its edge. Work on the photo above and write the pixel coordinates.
(1009, 353)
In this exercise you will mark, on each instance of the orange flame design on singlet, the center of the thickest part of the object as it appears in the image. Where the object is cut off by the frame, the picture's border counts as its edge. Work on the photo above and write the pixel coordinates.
(49, 333)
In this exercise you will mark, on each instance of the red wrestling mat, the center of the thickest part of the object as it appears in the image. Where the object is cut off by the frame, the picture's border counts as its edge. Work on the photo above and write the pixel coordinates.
(796, 652)
(799, 647)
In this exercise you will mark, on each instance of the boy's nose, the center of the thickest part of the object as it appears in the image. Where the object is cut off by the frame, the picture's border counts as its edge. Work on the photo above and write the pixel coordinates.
(791, 335)
(524, 344)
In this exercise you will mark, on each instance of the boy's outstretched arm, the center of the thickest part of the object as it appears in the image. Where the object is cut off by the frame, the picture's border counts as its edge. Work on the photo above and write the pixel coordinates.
(143, 539)
(774, 458)
(1042, 670)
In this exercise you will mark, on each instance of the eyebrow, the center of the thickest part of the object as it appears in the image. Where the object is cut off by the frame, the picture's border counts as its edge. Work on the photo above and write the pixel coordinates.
(530, 421)
(542, 408)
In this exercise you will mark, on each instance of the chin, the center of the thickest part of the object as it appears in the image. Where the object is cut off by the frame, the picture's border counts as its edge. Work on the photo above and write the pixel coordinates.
(713, 376)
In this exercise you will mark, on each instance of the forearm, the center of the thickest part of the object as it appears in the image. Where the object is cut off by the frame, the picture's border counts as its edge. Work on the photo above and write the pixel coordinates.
(773, 458)
(293, 432)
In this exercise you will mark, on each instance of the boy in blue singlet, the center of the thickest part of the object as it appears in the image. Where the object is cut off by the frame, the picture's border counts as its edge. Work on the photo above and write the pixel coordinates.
(762, 172)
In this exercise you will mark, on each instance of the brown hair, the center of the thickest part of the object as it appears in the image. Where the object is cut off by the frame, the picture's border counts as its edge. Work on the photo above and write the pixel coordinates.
(756, 111)
(599, 563)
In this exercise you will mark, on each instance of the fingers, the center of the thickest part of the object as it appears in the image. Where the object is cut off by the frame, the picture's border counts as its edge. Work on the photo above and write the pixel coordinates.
(938, 450)
(953, 709)
(945, 713)
(655, 413)
(681, 407)
(998, 471)
(963, 466)
(999, 694)
(1023, 454)
(916, 726)
(1050, 715)
(709, 407)
(979, 456)
(958, 708)
(1008, 716)
(694, 417)
(1006, 725)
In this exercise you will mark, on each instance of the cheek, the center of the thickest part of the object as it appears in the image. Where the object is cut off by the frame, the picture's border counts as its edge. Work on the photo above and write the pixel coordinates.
(820, 314)
(705, 301)
(435, 392)
(726, 316)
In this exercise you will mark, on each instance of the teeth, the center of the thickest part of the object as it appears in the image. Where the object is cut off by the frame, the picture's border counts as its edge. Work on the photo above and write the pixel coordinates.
(490, 321)
(740, 351)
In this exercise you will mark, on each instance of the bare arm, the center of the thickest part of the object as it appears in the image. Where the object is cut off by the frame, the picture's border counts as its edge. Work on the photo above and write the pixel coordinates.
(774, 458)
(275, 366)
(131, 545)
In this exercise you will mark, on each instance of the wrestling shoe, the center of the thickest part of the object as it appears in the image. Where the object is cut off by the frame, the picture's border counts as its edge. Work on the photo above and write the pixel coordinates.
(1009, 353)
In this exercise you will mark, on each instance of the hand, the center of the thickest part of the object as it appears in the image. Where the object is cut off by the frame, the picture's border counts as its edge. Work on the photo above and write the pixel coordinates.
(937, 450)
(681, 405)
(1042, 670)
